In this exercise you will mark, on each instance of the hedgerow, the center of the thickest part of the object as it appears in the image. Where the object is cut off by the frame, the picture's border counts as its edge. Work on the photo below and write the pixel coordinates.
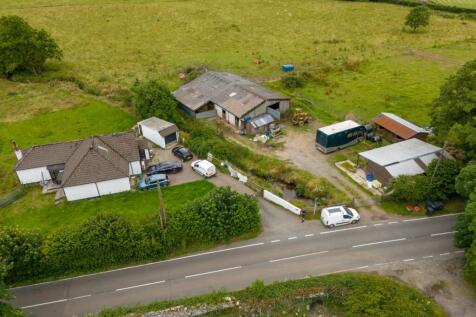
(110, 240)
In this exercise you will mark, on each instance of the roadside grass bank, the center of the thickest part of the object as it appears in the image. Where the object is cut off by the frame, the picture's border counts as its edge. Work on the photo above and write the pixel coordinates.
(453, 205)
(37, 211)
(344, 294)
(112, 240)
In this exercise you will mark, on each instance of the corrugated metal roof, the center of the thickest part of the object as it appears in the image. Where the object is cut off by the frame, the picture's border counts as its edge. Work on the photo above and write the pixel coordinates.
(339, 127)
(409, 167)
(400, 152)
(262, 120)
(398, 126)
(231, 92)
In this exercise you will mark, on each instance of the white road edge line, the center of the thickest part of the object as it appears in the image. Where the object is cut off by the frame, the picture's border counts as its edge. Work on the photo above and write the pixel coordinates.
(142, 265)
(446, 253)
(442, 233)
(408, 260)
(212, 272)
(432, 217)
(292, 238)
(338, 230)
(427, 257)
(379, 242)
(378, 224)
(43, 304)
(459, 251)
(297, 256)
(309, 235)
(274, 241)
(137, 286)
(347, 270)
(392, 222)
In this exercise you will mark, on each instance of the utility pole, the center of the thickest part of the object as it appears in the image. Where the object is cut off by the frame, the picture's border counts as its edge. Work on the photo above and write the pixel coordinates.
(163, 220)
(438, 163)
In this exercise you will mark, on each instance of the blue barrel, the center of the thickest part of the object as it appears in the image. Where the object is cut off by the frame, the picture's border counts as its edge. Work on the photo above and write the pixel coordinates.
(287, 67)
(370, 177)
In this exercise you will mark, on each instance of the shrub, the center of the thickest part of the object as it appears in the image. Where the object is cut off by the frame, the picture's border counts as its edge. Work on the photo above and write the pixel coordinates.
(292, 82)
(20, 252)
(466, 180)
(153, 98)
(418, 17)
(5, 308)
(409, 188)
(24, 48)
(441, 175)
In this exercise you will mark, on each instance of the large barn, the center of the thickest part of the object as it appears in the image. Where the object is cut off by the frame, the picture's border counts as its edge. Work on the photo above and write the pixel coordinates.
(97, 166)
(242, 103)
(409, 157)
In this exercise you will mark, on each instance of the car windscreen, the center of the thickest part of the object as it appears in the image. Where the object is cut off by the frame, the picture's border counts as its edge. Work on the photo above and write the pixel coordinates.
(348, 211)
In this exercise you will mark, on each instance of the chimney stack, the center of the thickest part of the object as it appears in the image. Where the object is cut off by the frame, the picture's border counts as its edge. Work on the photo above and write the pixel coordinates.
(17, 150)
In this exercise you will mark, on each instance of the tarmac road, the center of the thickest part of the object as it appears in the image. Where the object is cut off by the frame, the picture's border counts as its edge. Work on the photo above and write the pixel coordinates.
(291, 256)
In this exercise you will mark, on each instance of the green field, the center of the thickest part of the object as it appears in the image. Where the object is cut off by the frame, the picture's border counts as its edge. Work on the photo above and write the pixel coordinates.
(110, 44)
(94, 117)
(36, 211)
(470, 4)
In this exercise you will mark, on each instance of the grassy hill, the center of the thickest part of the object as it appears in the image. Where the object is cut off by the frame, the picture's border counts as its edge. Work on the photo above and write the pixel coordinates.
(368, 63)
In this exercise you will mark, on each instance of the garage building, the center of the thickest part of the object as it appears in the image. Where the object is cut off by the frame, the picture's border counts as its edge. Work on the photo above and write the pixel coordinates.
(159, 132)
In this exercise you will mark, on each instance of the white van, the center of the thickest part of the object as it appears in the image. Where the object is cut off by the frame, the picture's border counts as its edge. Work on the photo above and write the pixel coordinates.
(204, 168)
(339, 216)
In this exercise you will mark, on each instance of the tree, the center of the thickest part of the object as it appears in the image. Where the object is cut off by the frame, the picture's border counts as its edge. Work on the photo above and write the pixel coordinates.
(466, 180)
(20, 251)
(23, 48)
(5, 308)
(465, 236)
(441, 174)
(418, 17)
(409, 188)
(153, 98)
(453, 115)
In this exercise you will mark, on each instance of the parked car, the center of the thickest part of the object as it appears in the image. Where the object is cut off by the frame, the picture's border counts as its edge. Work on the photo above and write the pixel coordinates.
(165, 167)
(152, 181)
(432, 206)
(204, 168)
(182, 153)
(339, 216)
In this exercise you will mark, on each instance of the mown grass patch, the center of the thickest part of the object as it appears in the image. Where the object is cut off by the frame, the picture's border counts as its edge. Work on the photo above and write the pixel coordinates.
(454, 205)
(36, 211)
(345, 294)
(75, 123)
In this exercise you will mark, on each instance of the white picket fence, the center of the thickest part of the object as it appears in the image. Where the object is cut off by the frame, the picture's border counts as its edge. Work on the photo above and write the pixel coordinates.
(281, 202)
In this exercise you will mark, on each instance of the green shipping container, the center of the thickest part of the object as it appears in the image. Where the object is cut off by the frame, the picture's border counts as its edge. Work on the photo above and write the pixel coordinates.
(339, 135)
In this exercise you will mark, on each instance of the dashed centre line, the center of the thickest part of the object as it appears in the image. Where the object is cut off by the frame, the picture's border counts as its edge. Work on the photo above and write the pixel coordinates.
(213, 272)
(292, 238)
(297, 256)
(309, 235)
(379, 242)
(137, 286)
(346, 229)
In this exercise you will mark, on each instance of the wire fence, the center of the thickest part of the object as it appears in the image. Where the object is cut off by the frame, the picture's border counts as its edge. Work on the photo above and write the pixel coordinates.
(12, 196)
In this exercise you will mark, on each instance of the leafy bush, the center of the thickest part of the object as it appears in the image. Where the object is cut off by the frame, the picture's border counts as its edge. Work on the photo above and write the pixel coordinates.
(465, 236)
(291, 82)
(466, 180)
(441, 175)
(153, 98)
(409, 188)
(418, 17)
(107, 239)
(21, 254)
(24, 48)
(5, 308)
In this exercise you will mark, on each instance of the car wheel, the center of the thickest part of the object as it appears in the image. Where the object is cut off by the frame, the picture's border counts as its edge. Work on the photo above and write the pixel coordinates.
(330, 226)
(354, 222)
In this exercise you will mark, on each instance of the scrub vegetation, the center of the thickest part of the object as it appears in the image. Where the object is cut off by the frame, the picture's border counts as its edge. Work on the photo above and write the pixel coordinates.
(347, 294)
(110, 239)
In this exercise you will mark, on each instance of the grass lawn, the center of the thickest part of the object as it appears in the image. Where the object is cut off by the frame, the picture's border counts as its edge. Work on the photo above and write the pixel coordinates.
(454, 205)
(470, 4)
(36, 211)
(94, 117)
